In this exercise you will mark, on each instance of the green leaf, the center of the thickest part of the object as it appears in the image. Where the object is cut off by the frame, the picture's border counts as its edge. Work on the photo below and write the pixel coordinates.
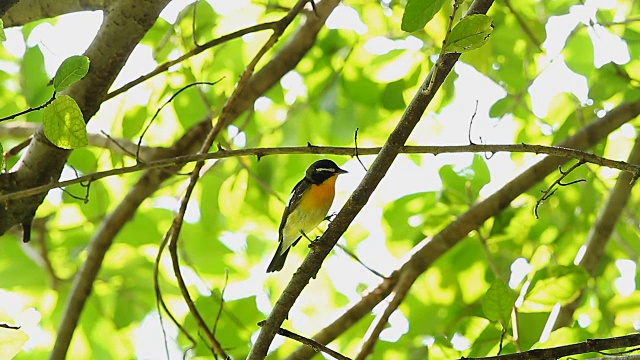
(465, 182)
(578, 53)
(501, 107)
(3, 36)
(552, 285)
(470, 33)
(11, 342)
(498, 302)
(63, 123)
(392, 98)
(134, 121)
(417, 13)
(360, 88)
(481, 175)
(607, 82)
(71, 70)
(33, 77)
(232, 193)
(454, 185)
(502, 221)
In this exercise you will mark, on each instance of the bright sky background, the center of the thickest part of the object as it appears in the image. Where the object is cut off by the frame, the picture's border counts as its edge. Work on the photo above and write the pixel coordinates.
(73, 33)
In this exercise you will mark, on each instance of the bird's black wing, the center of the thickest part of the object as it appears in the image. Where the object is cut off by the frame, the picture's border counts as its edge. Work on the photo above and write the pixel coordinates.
(294, 200)
(278, 259)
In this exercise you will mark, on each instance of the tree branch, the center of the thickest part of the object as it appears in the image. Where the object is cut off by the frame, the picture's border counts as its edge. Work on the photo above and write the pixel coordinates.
(118, 146)
(195, 51)
(587, 346)
(109, 228)
(556, 151)
(226, 116)
(401, 289)
(311, 264)
(429, 250)
(600, 233)
(123, 27)
(309, 342)
(26, 11)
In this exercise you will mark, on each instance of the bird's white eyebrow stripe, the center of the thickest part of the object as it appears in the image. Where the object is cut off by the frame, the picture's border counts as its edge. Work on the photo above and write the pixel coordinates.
(326, 169)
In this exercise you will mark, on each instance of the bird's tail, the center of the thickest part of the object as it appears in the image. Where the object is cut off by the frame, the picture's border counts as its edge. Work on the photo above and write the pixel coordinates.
(278, 259)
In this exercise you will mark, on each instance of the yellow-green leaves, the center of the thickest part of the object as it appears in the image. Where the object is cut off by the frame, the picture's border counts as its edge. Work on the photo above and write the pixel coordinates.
(578, 53)
(498, 302)
(11, 342)
(232, 194)
(71, 70)
(470, 33)
(418, 13)
(63, 123)
(552, 285)
(3, 36)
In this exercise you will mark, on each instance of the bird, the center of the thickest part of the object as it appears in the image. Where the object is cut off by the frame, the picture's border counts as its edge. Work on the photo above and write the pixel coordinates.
(308, 205)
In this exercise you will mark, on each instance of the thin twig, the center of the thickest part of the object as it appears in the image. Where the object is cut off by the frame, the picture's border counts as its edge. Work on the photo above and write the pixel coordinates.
(400, 291)
(475, 111)
(355, 144)
(32, 109)
(549, 191)
(165, 66)
(120, 146)
(587, 346)
(160, 304)
(355, 257)
(223, 120)
(331, 150)
(438, 63)
(193, 24)
(524, 26)
(309, 342)
(15, 150)
(226, 281)
(7, 326)
(162, 107)
(487, 254)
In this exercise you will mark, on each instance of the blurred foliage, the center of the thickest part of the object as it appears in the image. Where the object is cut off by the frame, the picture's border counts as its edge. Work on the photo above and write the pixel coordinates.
(361, 73)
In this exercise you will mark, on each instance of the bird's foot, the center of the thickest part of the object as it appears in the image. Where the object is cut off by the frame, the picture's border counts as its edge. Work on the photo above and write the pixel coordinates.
(330, 217)
(314, 243)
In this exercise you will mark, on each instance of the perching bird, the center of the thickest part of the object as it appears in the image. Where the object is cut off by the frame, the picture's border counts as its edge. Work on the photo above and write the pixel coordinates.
(308, 205)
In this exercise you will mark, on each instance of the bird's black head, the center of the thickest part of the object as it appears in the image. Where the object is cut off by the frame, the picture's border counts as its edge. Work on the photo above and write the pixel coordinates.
(323, 169)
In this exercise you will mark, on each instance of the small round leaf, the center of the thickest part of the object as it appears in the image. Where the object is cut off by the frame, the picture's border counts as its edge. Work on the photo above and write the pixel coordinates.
(71, 70)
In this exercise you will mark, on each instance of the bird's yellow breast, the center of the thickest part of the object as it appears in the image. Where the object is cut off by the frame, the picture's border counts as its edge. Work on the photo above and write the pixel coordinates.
(311, 210)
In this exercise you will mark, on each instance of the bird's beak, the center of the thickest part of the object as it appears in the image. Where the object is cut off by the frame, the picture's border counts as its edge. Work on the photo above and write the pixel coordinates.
(341, 171)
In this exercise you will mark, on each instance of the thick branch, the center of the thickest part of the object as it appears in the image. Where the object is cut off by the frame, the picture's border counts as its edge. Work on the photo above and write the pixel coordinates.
(103, 238)
(600, 233)
(123, 27)
(6, 5)
(428, 251)
(27, 11)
